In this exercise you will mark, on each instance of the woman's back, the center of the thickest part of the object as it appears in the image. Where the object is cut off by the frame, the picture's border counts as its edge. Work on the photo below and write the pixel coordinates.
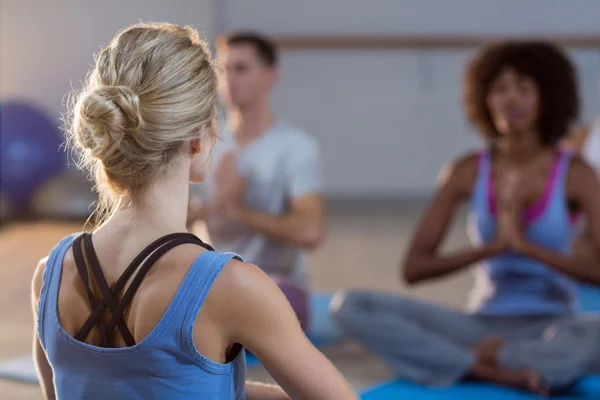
(116, 248)
(165, 317)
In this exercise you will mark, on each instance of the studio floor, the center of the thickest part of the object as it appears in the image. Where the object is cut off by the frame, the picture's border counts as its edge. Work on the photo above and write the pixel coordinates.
(363, 247)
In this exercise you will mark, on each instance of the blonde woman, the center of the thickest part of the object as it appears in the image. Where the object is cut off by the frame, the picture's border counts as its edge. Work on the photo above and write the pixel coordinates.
(139, 308)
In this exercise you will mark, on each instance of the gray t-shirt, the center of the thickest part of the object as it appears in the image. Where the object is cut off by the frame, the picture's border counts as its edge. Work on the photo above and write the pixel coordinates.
(279, 166)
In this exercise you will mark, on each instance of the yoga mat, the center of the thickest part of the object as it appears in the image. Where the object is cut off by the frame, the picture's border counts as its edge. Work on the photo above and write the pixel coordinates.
(589, 298)
(586, 388)
(20, 369)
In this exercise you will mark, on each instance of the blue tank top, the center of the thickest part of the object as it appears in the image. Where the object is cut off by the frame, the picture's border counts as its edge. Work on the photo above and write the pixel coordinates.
(164, 365)
(510, 284)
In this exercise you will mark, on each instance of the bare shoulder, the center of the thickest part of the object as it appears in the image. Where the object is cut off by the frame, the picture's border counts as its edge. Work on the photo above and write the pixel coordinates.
(460, 174)
(577, 138)
(582, 186)
(38, 281)
(242, 292)
(165, 278)
(245, 280)
(580, 172)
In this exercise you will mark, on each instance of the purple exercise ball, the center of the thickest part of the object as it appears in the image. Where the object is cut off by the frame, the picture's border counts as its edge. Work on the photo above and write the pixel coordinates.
(30, 152)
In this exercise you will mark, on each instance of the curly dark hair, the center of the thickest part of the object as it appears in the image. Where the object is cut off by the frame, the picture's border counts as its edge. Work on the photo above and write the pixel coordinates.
(546, 64)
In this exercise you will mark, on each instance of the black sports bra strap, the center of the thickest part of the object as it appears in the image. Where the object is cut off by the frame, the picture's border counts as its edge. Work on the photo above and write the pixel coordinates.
(82, 267)
(120, 283)
(107, 295)
(117, 287)
(161, 245)
(139, 277)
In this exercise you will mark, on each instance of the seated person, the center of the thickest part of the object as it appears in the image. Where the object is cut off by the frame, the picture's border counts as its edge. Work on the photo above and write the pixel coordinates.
(264, 198)
(522, 328)
(139, 308)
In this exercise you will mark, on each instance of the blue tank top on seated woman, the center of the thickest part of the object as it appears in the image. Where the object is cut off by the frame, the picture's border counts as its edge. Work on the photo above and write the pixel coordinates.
(164, 365)
(511, 284)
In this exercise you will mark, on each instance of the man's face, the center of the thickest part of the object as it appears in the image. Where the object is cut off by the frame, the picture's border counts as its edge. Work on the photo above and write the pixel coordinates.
(245, 79)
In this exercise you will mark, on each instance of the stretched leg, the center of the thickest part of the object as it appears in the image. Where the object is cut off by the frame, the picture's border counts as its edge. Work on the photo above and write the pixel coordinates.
(421, 342)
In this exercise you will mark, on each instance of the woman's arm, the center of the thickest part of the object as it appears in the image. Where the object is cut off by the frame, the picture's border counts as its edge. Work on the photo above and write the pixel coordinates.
(423, 260)
(584, 261)
(43, 367)
(257, 315)
(261, 391)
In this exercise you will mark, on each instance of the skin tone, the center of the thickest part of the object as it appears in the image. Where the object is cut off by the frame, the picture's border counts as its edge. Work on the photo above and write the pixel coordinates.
(577, 138)
(584, 242)
(245, 88)
(243, 306)
(520, 169)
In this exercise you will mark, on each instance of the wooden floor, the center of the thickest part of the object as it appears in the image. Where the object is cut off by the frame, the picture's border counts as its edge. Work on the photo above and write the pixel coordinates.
(362, 249)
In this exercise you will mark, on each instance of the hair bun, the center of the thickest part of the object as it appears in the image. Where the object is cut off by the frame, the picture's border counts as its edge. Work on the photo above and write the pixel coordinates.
(106, 115)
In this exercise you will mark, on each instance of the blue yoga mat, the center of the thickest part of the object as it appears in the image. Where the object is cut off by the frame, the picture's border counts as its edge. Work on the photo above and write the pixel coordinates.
(322, 329)
(20, 369)
(589, 298)
(587, 388)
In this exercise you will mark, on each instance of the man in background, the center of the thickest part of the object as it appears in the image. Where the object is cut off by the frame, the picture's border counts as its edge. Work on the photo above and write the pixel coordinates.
(263, 199)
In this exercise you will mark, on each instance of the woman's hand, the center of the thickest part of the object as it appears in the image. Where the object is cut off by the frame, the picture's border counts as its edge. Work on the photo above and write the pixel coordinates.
(509, 227)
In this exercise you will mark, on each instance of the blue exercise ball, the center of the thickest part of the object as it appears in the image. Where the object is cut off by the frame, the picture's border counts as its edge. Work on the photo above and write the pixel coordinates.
(30, 152)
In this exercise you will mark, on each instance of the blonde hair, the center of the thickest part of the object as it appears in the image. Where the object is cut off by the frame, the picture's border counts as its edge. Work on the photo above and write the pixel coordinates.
(153, 88)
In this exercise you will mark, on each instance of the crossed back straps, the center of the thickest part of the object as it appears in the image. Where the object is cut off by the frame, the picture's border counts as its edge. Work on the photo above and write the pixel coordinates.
(85, 256)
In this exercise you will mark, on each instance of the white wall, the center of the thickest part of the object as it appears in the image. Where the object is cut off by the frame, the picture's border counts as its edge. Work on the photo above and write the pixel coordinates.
(480, 17)
(388, 120)
(45, 46)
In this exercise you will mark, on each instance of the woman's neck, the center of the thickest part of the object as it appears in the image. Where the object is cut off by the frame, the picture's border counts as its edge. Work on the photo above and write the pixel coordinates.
(519, 148)
(163, 208)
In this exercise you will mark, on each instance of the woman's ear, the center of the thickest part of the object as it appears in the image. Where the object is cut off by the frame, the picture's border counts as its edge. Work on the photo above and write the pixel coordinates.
(195, 146)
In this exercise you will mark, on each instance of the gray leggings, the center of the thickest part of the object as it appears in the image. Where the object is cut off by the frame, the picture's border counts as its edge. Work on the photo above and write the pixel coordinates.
(431, 345)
